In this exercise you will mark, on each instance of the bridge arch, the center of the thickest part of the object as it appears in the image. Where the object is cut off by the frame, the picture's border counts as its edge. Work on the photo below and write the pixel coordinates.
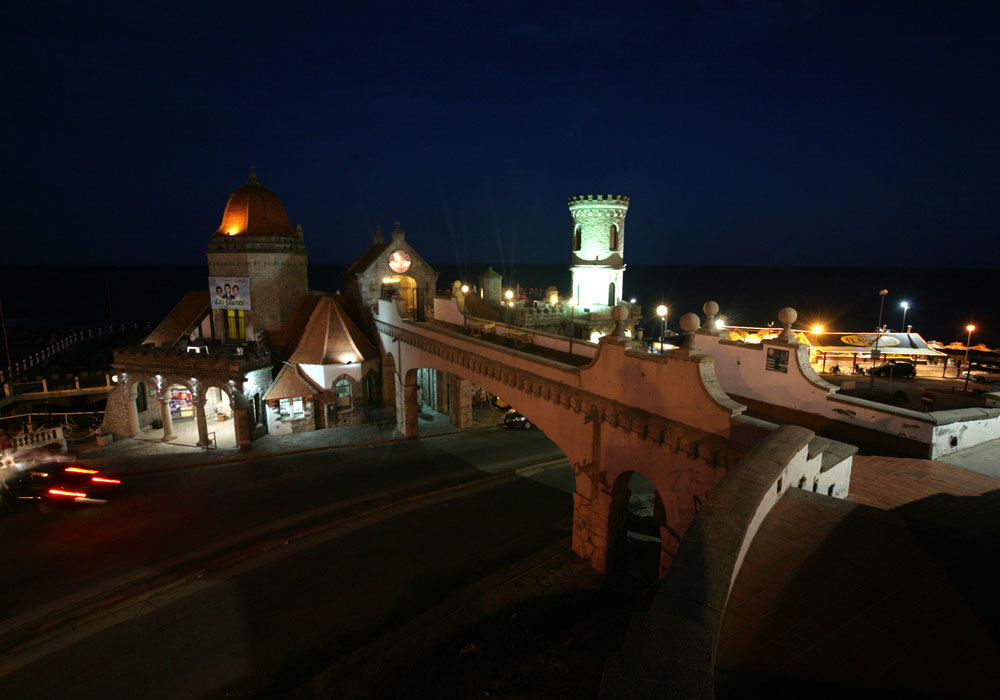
(663, 416)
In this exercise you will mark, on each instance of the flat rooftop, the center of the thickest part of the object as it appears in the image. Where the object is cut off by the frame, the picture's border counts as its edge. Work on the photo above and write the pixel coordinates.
(891, 593)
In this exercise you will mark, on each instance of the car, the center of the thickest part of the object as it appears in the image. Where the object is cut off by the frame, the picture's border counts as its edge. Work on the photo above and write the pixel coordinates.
(513, 419)
(984, 375)
(55, 481)
(898, 370)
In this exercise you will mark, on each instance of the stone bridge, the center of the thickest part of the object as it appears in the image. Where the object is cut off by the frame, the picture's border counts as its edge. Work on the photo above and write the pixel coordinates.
(623, 412)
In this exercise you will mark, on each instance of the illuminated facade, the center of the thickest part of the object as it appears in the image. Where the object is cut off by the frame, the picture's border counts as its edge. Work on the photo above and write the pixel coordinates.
(598, 243)
(256, 242)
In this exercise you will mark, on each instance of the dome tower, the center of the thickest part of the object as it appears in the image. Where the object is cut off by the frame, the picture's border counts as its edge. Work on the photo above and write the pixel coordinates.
(255, 242)
(598, 248)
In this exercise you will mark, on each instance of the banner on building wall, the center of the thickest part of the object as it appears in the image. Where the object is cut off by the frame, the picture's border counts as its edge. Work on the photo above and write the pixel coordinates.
(230, 292)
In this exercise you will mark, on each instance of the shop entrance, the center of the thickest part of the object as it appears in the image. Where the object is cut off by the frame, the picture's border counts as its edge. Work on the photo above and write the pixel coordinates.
(406, 287)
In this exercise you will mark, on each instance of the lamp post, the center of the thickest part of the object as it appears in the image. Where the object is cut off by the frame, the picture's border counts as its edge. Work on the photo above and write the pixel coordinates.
(661, 311)
(508, 295)
(875, 354)
(906, 307)
(572, 307)
(968, 342)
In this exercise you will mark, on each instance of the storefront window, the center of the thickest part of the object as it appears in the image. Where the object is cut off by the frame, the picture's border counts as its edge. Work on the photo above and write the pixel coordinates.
(291, 409)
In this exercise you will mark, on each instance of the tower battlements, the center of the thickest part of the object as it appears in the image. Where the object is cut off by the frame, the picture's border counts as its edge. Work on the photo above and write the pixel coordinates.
(598, 239)
(598, 199)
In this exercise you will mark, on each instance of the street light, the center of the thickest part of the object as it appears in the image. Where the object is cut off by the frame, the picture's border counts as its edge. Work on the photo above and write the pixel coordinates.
(572, 305)
(906, 307)
(465, 289)
(661, 311)
(875, 354)
(968, 342)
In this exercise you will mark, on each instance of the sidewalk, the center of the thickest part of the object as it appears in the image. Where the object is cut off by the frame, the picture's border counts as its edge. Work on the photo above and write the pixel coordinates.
(145, 455)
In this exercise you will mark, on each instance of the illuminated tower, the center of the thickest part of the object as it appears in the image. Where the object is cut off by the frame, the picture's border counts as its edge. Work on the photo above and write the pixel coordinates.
(255, 243)
(598, 248)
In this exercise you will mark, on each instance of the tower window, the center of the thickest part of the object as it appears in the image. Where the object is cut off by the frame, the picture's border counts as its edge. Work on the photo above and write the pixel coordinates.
(235, 325)
(577, 237)
(614, 237)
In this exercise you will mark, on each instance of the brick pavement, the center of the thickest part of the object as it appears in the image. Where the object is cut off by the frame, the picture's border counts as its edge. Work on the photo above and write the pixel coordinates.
(888, 593)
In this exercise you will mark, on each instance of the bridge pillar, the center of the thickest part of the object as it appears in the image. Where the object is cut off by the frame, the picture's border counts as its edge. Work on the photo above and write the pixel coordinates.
(461, 402)
(168, 422)
(406, 407)
(442, 404)
(598, 525)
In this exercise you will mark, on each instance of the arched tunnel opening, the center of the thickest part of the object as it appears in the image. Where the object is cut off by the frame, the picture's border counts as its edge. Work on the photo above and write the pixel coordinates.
(637, 520)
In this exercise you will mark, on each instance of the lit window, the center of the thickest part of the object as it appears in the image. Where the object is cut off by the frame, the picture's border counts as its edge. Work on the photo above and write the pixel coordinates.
(235, 325)
(291, 408)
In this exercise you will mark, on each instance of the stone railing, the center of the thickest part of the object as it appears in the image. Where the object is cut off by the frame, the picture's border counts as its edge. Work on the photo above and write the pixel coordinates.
(669, 651)
(554, 382)
(39, 438)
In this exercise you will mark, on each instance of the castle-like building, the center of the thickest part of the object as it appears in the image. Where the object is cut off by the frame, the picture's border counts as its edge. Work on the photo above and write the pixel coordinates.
(259, 352)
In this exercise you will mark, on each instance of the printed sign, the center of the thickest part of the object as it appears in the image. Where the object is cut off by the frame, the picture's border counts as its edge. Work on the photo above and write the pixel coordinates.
(868, 339)
(777, 360)
(229, 292)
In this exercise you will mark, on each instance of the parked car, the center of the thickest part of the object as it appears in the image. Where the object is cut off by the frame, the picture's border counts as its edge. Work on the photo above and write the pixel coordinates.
(900, 370)
(984, 375)
(513, 419)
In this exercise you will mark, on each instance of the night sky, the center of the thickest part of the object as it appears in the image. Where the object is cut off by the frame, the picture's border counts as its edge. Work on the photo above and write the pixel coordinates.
(829, 133)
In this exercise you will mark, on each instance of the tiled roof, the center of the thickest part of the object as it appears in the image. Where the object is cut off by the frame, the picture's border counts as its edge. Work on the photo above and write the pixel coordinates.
(283, 341)
(290, 383)
(175, 326)
(367, 258)
(327, 336)
(254, 210)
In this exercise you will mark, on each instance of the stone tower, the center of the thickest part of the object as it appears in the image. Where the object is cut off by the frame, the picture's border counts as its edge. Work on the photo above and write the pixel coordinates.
(255, 241)
(598, 248)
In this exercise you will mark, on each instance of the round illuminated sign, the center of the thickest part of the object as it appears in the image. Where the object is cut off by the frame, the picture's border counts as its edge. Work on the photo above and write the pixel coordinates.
(399, 261)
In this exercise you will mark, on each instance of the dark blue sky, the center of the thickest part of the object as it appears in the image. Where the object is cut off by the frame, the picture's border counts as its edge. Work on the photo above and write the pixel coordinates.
(745, 132)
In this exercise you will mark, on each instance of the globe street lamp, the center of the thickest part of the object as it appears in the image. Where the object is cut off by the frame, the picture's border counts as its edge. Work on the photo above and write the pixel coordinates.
(661, 311)
(968, 341)
(875, 354)
(906, 307)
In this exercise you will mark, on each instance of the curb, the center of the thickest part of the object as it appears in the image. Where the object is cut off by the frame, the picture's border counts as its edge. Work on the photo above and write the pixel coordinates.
(244, 457)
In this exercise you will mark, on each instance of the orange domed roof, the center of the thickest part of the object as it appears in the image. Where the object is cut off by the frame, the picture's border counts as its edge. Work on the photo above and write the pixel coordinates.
(254, 210)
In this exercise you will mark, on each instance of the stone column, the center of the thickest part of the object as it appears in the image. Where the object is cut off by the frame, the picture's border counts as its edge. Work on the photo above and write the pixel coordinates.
(199, 416)
(461, 402)
(133, 415)
(407, 409)
(241, 426)
(168, 422)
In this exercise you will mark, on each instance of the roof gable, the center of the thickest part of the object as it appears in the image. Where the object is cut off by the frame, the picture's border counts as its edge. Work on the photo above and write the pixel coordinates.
(291, 383)
(188, 313)
(330, 337)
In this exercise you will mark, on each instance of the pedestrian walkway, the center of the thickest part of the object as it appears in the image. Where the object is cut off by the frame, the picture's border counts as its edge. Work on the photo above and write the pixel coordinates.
(889, 592)
(146, 453)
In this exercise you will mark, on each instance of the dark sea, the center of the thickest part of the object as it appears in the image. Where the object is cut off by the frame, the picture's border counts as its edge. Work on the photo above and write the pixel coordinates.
(942, 301)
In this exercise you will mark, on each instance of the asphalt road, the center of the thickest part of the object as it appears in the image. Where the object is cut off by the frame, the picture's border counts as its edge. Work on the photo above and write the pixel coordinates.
(54, 558)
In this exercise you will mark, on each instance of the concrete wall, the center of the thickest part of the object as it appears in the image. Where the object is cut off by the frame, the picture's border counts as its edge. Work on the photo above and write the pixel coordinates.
(669, 651)
(800, 396)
